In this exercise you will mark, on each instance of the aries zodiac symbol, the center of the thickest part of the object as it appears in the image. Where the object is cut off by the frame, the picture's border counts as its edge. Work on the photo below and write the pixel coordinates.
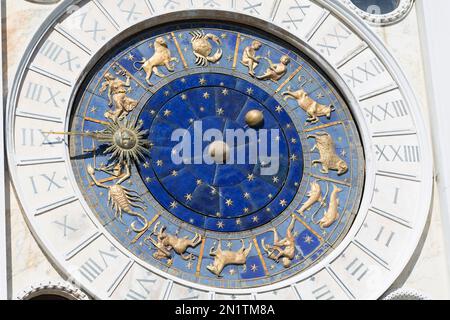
(311, 107)
(225, 258)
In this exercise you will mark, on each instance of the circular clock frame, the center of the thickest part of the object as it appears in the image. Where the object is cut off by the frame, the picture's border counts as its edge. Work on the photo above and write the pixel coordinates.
(353, 269)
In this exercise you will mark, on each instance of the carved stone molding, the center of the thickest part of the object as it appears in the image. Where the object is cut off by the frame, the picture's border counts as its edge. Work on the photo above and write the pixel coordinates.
(406, 294)
(64, 290)
(392, 17)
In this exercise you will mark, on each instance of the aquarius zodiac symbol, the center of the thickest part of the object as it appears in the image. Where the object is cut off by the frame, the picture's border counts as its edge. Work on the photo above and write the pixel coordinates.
(328, 157)
(120, 198)
(225, 258)
(283, 249)
(202, 48)
(117, 95)
(161, 57)
(311, 107)
(165, 243)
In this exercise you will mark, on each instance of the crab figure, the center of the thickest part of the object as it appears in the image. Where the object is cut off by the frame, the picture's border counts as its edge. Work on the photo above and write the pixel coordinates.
(203, 48)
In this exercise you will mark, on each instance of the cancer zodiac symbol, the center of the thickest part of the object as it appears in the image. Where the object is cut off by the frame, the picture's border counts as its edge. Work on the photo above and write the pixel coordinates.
(202, 48)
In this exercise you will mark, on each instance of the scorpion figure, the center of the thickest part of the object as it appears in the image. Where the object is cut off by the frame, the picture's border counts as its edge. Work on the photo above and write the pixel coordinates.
(202, 48)
(121, 198)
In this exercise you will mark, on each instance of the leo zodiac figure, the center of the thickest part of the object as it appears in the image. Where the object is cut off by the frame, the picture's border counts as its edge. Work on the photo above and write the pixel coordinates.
(161, 58)
(283, 249)
(117, 95)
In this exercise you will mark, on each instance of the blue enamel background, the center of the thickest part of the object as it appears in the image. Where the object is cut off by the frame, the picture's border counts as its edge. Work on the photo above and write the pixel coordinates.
(158, 187)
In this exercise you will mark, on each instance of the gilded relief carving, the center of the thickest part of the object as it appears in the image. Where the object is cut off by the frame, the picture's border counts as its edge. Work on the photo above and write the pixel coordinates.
(276, 71)
(282, 249)
(249, 57)
(120, 198)
(332, 213)
(117, 95)
(223, 258)
(328, 156)
(165, 243)
(315, 196)
(310, 106)
(161, 58)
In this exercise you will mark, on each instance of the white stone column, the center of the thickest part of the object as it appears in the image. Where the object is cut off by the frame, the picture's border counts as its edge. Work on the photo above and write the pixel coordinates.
(434, 26)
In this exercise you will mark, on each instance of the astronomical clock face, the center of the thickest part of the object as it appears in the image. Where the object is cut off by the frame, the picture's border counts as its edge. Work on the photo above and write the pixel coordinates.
(162, 157)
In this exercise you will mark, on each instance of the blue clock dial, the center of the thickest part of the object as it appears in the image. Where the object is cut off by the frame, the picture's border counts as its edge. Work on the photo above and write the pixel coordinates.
(218, 154)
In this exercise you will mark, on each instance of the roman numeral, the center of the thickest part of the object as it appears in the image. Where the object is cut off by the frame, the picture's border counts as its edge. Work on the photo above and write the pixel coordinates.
(380, 235)
(252, 7)
(323, 293)
(333, 40)
(94, 29)
(46, 183)
(29, 136)
(92, 269)
(58, 54)
(40, 93)
(364, 72)
(357, 269)
(390, 153)
(142, 292)
(132, 14)
(65, 226)
(171, 3)
(299, 12)
(391, 110)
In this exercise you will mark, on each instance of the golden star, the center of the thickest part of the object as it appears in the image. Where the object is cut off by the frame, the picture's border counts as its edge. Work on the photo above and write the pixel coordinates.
(229, 202)
(173, 205)
(206, 95)
(225, 92)
(283, 203)
(251, 177)
(279, 109)
(175, 173)
(247, 195)
(202, 81)
(167, 113)
(159, 163)
(275, 179)
(220, 225)
(188, 197)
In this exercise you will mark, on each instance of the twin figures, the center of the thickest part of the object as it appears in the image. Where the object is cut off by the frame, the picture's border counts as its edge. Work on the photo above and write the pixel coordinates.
(251, 60)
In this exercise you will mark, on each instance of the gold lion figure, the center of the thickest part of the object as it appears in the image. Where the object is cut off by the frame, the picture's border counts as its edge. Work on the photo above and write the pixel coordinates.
(282, 249)
(117, 95)
(161, 57)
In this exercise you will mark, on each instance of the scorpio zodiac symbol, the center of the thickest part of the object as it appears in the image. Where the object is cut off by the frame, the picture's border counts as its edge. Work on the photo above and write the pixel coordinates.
(121, 198)
(202, 48)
